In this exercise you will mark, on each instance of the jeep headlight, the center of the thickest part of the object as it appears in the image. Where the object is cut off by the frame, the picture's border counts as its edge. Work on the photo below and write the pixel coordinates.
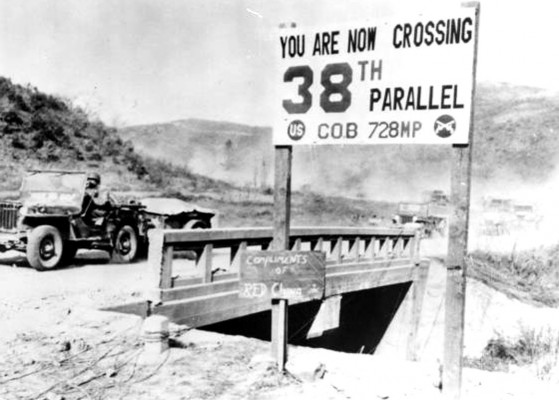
(23, 210)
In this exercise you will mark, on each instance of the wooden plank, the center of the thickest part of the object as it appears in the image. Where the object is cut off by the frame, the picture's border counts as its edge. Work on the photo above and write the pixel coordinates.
(178, 283)
(214, 303)
(366, 264)
(203, 311)
(457, 249)
(199, 290)
(226, 237)
(229, 282)
(354, 281)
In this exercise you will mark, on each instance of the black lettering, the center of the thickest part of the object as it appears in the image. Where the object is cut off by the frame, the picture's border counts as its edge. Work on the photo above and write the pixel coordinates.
(351, 130)
(419, 106)
(316, 47)
(382, 133)
(372, 38)
(334, 49)
(387, 102)
(455, 100)
(467, 30)
(445, 96)
(454, 35)
(361, 39)
(283, 41)
(320, 134)
(395, 42)
(376, 70)
(336, 131)
(398, 97)
(440, 32)
(410, 101)
(374, 97)
(429, 33)
(418, 34)
(431, 105)
(325, 43)
(407, 33)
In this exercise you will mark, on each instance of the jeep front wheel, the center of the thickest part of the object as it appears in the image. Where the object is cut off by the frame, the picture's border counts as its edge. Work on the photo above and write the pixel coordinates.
(44, 248)
(125, 247)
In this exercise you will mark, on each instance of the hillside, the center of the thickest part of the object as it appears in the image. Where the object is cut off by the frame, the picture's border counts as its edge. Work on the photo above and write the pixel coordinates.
(515, 142)
(42, 131)
(38, 130)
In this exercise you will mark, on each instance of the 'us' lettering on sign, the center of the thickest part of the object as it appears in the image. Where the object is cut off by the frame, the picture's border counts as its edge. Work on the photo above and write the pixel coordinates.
(399, 80)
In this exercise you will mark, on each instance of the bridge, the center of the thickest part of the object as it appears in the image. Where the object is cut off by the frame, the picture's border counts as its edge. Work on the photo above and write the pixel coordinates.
(357, 259)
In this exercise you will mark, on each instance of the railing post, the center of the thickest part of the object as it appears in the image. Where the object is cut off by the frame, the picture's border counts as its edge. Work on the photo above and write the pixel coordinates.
(296, 245)
(205, 261)
(369, 248)
(398, 247)
(337, 250)
(160, 258)
(236, 251)
(318, 245)
(354, 249)
(384, 247)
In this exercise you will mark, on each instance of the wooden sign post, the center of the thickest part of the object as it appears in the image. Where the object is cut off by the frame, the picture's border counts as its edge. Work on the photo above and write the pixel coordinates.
(457, 252)
(282, 216)
(281, 276)
(403, 80)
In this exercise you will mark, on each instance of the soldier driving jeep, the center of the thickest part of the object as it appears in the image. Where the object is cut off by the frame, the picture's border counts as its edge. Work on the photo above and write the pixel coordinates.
(95, 204)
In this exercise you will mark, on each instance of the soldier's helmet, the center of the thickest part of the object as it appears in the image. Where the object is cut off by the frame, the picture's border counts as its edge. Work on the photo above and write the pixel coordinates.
(93, 180)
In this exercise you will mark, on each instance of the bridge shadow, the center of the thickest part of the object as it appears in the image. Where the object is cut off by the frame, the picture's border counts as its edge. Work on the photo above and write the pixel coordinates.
(364, 319)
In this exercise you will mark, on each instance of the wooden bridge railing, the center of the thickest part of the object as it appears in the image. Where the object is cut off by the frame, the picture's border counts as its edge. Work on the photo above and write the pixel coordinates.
(357, 259)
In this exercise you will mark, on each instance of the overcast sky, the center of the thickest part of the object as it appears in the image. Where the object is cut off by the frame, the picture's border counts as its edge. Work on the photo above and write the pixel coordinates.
(144, 61)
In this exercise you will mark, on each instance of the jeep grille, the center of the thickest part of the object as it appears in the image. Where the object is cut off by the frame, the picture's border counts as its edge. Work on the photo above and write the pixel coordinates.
(9, 213)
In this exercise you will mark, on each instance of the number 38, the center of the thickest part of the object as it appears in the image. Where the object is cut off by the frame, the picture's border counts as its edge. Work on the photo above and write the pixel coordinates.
(330, 88)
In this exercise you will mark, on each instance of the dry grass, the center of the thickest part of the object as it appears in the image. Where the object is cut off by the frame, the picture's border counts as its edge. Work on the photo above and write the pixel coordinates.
(537, 350)
(531, 275)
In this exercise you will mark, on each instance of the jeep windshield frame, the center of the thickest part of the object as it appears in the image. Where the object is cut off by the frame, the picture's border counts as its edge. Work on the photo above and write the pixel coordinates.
(61, 189)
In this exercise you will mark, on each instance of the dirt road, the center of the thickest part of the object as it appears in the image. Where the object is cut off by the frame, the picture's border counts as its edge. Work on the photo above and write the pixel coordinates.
(55, 344)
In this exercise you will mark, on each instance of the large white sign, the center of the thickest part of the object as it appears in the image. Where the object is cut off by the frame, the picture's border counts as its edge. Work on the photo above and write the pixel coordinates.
(403, 80)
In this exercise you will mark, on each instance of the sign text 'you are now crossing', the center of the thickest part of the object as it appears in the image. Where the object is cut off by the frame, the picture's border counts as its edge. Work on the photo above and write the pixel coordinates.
(399, 80)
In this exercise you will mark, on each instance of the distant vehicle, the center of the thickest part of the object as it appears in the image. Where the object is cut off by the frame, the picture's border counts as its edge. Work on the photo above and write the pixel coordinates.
(526, 216)
(55, 216)
(171, 213)
(437, 197)
(498, 217)
(428, 217)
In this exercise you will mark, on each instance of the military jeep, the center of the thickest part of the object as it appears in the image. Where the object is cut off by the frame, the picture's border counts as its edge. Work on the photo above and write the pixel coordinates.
(49, 222)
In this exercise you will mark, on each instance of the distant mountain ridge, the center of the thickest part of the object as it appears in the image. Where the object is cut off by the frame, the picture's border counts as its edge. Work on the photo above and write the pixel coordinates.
(516, 140)
(240, 154)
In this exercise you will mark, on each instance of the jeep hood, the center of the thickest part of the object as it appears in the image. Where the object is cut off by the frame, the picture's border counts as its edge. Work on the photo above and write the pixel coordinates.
(61, 190)
(170, 206)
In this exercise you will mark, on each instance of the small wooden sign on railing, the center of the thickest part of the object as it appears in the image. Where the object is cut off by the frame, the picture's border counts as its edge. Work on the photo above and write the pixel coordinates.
(290, 275)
